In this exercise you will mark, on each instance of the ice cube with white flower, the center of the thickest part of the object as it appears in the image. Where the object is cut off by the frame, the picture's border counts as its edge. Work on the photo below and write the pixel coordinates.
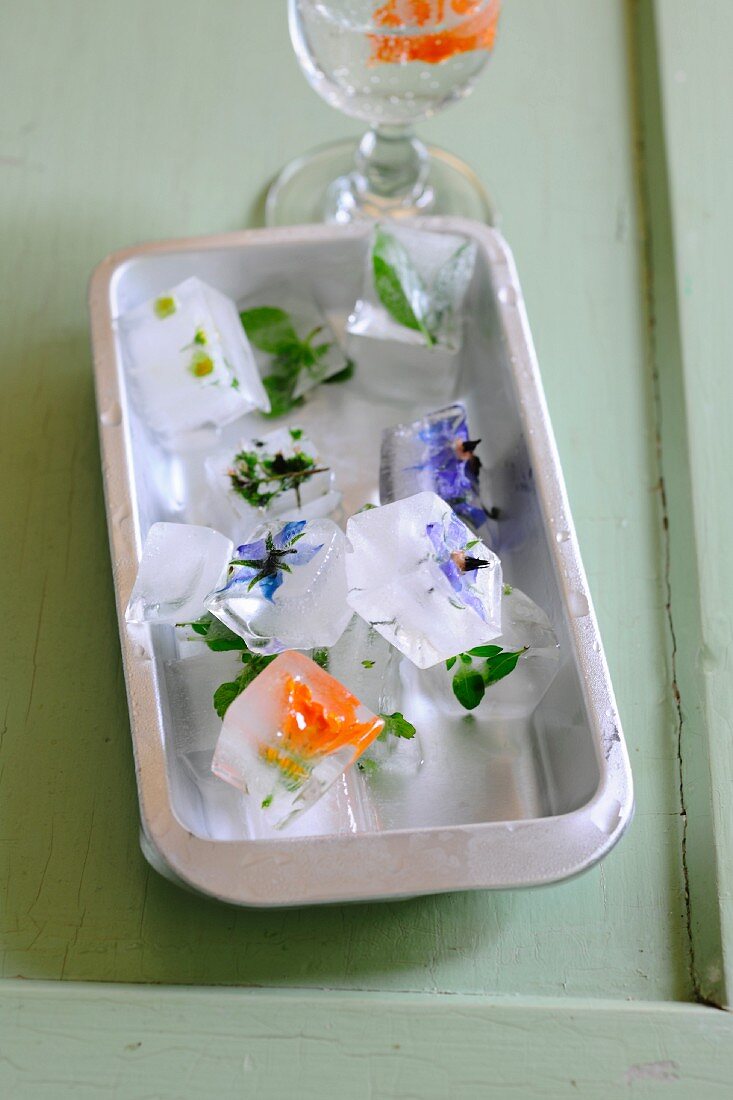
(414, 287)
(422, 579)
(286, 587)
(293, 342)
(506, 679)
(290, 735)
(180, 565)
(279, 474)
(188, 361)
(435, 453)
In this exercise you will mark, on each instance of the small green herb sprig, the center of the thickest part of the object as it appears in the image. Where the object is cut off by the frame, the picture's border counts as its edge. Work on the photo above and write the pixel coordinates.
(259, 477)
(271, 330)
(402, 291)
(471, 683)
(220, 638)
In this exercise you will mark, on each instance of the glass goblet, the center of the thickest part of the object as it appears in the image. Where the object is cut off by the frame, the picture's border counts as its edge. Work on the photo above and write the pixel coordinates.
(389, 64)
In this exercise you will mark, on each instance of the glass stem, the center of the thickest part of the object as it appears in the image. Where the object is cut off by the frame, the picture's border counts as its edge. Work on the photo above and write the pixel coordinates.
(391, 163)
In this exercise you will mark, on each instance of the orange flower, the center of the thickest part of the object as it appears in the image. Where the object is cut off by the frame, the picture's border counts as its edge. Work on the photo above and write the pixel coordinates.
(476, 32)
(312, 727)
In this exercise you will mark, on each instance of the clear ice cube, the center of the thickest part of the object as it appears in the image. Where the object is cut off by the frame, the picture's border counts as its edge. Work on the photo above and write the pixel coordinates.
(414, 286)
(286, 588)
(524, 626)
(180, 565)
(188, 360)
(276, 474)
(294, 345)
(290, 735)
(419, 576)
(434, 453)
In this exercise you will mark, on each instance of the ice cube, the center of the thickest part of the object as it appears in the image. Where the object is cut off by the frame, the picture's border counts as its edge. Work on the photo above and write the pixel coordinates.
(419, 576)
(414, 286)
(180, 565)
(404, 374)
(294, 345)
(277, 474)
(188, 360)
(434, 453)
(289, 735)
(525, 626)
(368, 665)
(286, 588)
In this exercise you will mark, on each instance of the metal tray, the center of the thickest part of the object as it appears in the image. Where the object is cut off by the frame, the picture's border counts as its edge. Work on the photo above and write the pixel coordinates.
(508, 804)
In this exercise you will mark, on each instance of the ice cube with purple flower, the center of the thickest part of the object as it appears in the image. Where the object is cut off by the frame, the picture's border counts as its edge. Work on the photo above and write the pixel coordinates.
(435, 453)
(286, 587)
(422, 579)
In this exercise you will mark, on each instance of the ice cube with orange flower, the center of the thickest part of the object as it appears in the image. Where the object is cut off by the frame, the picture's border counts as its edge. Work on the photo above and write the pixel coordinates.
(290, 734)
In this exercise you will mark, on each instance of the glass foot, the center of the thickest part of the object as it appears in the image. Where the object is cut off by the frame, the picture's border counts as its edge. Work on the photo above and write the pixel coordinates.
(324, 186)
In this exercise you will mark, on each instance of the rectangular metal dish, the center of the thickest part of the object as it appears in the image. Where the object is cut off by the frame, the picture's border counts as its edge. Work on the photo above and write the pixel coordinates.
(513, 804)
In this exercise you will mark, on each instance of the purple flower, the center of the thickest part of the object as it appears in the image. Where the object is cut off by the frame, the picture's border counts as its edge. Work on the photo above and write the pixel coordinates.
(450, 540)
(453, 465)
(265, 561)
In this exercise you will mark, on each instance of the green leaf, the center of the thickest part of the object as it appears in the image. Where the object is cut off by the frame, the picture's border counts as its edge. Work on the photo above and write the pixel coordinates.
(218, 636)
(343, 375)
(320, 656)
(507, 590)
(280, 388)
(225, 695)
(485, 651)
(397, 725)
(449, 284)
(464, 658)
(269, 329)
(499, 667)
(267, 801)
(450, 662)
(397, 283)
(468, 687)
(368, 664)
(296, 434)
(369, 767)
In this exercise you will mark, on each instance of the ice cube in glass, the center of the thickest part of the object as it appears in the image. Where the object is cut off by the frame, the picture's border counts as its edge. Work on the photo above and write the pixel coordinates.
(434, 453)
(188, 360)
(289, 735)
(180, 565)
(422, 579)
(415, 283)
(279, 474)
(286, 587)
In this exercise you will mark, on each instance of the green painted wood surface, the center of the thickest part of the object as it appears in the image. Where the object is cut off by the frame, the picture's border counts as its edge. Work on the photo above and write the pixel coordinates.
(185, 1043)
(127, 122)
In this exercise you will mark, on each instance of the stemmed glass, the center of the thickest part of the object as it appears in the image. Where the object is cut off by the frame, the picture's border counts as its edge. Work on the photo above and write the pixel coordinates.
(389, 64)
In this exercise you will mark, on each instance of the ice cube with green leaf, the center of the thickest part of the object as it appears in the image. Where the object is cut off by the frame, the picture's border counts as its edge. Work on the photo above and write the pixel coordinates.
(294, 344)
(414, 287)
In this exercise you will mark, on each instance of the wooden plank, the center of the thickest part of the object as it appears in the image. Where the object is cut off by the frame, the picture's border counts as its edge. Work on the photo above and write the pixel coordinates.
(137, 121)
(696, 80)
(171, 1043)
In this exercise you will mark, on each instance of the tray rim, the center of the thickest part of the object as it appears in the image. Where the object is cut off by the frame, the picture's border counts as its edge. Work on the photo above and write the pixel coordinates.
(476, 856)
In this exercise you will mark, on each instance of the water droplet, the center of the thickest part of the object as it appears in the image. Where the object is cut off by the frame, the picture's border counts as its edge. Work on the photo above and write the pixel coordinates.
(425, 76)
(140, 653)
(596, 646)
(609, 712)
(624, 522)
(507, 295)
(578, 604)
(562, 536)
(374, 80)
(112, 415)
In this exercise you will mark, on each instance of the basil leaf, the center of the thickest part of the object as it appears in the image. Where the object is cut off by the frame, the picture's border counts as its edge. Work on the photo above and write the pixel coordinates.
(398, 284)
(499, 667)
(280, 389)
(485, 651)
(343, 375)
(225, 695)
(397, 725)
(269, 329)
(449, 284)
(468, 687)
(450, 662)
